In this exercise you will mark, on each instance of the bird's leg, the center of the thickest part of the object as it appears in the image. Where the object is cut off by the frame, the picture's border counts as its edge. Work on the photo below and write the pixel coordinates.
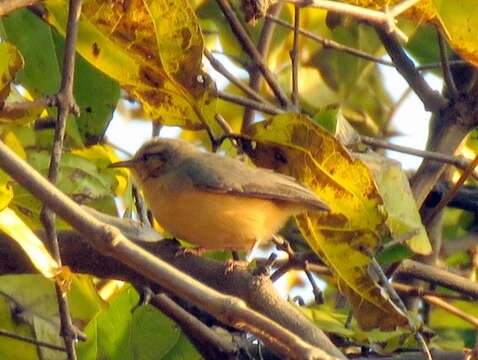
(236, 262)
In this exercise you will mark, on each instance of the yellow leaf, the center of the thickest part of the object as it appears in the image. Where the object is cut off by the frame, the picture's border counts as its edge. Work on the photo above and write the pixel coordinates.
(153, 49)
(10, 62)
(459, 20)
(14, 227)
(6, 191)
(292, 144)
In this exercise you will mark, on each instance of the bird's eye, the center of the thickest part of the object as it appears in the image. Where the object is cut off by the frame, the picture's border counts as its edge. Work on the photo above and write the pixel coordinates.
(157, 155)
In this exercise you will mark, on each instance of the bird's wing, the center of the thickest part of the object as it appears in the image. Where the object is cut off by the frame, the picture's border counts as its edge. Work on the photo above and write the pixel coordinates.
(222, 174)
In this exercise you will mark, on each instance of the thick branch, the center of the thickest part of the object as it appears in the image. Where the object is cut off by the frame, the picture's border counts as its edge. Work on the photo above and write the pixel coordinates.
(257, 291)
(432, 100)
(438, 276)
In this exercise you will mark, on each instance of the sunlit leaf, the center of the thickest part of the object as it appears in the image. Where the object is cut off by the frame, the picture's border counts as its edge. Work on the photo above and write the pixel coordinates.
(345, 237)
(14, 227)
(6, 190)
(10, 62)
(153, 49)
(459, 20)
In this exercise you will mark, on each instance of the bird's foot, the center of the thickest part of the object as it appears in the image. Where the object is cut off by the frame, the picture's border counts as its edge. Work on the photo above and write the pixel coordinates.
(232, 264)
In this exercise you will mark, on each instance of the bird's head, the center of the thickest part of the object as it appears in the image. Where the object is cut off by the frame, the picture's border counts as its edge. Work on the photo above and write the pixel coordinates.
(155, 157)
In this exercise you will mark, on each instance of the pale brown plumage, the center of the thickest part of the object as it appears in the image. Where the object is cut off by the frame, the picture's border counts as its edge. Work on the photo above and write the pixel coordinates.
(214, 201)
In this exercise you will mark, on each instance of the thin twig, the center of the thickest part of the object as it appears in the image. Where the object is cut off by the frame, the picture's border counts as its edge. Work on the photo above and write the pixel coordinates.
(452, 192)
(31, 341)
(228, 132)
(457, 161)
(330, 44)
(402, 7)
(294, 57)
(436, 301)
(141, 207)
(374, 266)
(155, 129)
(431, 99)
(245, 65)
(7, 6)
(203, 335)
(240, 100)
(251, 49)
(263, 47)
(415, 291)
(394, 110)
(425, 67)
(233, 79)
(435, 275)
(447, 75)
(385, 20)
(66, 104)
(119, 148)
(318, 295)
(399, 240)
(27, 105)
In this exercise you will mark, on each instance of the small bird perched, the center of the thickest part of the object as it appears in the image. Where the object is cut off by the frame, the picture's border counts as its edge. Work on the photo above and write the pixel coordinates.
(213, 201)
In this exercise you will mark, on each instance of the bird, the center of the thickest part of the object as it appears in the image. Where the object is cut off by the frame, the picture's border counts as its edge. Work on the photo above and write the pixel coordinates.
(212, 201)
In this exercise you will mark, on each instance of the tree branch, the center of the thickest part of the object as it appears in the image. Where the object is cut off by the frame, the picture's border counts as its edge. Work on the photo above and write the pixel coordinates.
(66, 104)
(240, 100)
(7, 6)
(110, 242)
(435, 275)
(255, 73)
(30, 340)
(431, 99)
(239, 84)
(251, 49)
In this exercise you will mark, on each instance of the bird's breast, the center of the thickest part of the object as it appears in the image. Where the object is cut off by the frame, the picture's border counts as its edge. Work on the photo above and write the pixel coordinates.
(216, 221)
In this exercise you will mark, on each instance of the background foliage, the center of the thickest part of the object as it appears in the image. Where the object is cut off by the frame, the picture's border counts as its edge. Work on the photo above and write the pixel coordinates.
(320, 110)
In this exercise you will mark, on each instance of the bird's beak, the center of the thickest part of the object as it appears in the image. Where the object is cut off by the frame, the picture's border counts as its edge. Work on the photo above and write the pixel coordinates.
(125, 164)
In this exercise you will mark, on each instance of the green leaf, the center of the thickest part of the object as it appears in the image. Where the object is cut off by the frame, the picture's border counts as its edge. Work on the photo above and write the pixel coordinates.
(403, 216)
(37, 299)
(95, 93)
(41, 74)
(146, 334)
(10, 348)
